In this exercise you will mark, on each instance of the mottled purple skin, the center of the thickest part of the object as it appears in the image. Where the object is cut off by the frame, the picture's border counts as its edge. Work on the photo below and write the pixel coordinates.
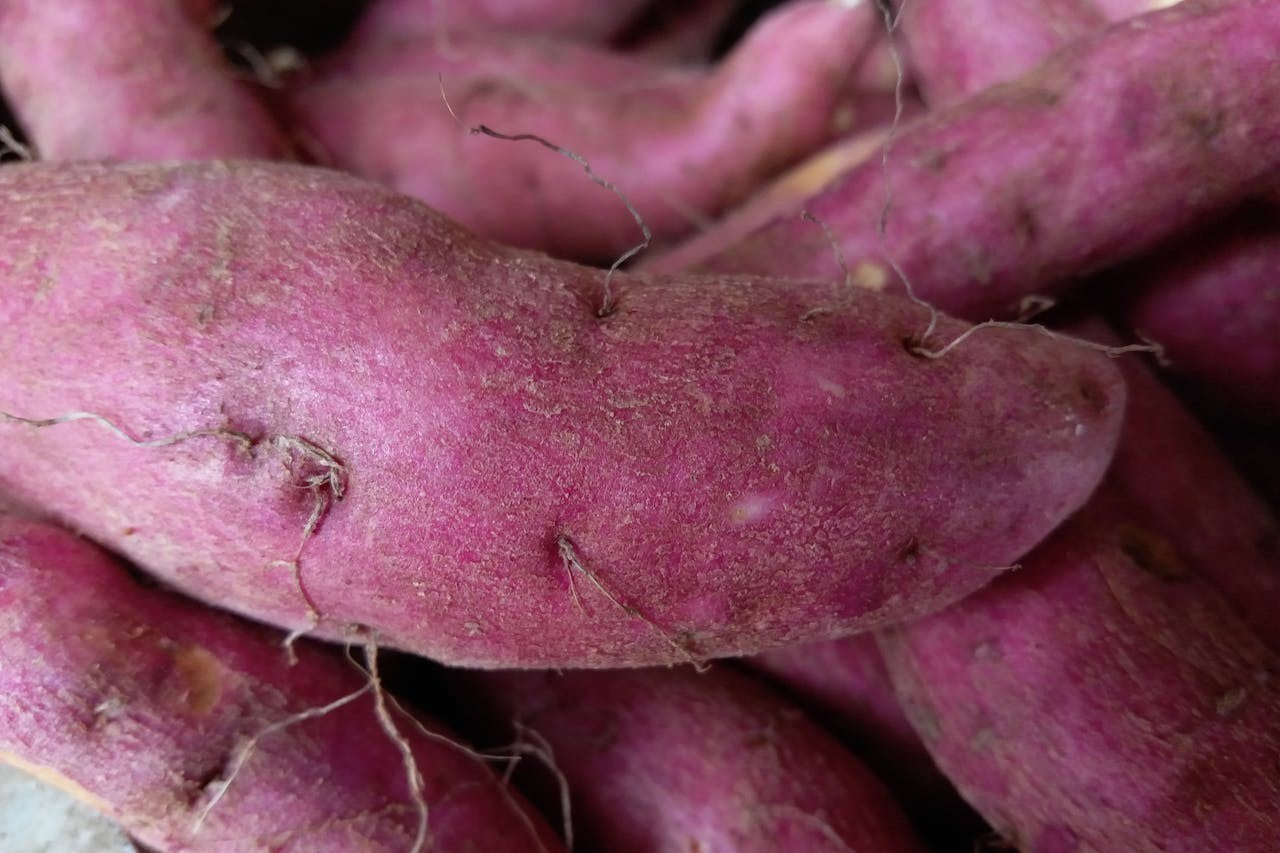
(585, 20)
(134, 80)
(671, 761)
(679, 144)
(1100, 699)
(740, 462)
(139, 702)
(1213, 303)
(1117, 142)
(959, 47)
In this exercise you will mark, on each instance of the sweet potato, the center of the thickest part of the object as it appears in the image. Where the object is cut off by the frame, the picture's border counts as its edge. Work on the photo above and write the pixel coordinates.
(140, 80)
(678, 144)
(1102, 698)
(1213, 304)
(959, 47)
(673, 760)
(1208, 518)
(308, 398)
(191, 728)
(1090, 165)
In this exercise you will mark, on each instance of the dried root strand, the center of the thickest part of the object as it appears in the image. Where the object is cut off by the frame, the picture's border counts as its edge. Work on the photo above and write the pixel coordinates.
(606, 304)
(530, 742)
(9, 144)
(918, 348)
(573, 563)
(71, 417)
(246, 749)
(413, 776)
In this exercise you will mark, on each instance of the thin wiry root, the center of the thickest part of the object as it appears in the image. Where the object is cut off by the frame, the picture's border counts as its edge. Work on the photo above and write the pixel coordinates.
(572, 563)
(836, 249)
(892, 17)
(327, 485)
(606, 303)
(246, 749)
(71, 417)
(413, 776)
(529, 742)
(504, 756)
(9, 144)
(1109, 350)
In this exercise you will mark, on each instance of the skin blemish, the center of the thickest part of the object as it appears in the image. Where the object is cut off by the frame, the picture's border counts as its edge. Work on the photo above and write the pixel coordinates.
(751, 509)
(1152, 553)
(832, 388)
(200, 677)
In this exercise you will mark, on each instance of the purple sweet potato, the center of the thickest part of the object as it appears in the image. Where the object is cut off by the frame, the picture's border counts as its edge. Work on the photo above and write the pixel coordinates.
(673, 760)
(1208, 518)
(139, 80)
(1115, 143)
(959, 47)
(679, 144)
(1213, 304)
(179, 722)
(1102, 698)
(310, 399)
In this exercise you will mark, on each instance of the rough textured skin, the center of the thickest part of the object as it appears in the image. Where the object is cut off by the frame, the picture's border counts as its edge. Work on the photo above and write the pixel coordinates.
(671, 761)
(133, 80)
(1095, 701)
(1132, 158)
(679, 144)
(738, 462)
(140, 703)
(587, 20)
(959, 47)
(1214, 305)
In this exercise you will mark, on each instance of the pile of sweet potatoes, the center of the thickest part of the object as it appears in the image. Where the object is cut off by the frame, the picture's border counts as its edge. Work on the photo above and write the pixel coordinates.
(818, 425)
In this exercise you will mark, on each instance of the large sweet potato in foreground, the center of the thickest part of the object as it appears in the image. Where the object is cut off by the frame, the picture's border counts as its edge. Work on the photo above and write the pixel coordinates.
(185, 724)
(310, 399)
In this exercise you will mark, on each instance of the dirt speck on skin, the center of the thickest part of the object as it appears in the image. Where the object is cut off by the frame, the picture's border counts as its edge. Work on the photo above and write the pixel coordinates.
(200, 676)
